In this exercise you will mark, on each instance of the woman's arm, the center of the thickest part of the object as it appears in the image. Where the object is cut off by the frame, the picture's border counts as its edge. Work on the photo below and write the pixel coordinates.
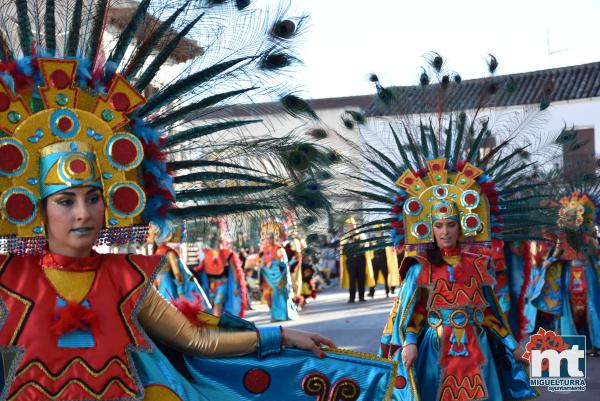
(174, 264)
(166, 324)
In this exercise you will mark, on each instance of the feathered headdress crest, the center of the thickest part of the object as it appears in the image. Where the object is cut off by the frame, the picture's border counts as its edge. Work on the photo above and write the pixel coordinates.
(118, 112)
(437, 160)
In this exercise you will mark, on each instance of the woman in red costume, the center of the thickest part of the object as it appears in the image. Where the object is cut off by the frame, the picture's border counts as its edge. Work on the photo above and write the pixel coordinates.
(73, 317)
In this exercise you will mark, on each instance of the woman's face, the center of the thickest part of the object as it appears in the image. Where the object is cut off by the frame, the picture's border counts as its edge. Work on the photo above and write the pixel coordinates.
(446, 233)
(73, 219)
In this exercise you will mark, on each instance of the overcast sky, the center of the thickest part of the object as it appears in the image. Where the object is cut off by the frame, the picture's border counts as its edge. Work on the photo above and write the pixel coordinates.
(348, 39)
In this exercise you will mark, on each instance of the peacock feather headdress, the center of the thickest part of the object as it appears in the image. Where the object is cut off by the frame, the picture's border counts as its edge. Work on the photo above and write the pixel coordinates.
(438, 162)
(134, 113)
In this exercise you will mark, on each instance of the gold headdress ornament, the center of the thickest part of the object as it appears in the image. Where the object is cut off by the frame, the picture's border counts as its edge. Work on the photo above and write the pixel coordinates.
(444, 194)
(62, 137)
(274, 228)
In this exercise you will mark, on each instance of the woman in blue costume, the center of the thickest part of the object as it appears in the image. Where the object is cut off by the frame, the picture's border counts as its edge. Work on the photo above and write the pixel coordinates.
(276, 273)
(441, 202)
(176, 283)
(447, 316)
(569, 287)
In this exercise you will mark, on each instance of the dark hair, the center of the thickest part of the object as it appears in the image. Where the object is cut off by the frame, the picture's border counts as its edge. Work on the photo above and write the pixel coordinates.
(434, 255)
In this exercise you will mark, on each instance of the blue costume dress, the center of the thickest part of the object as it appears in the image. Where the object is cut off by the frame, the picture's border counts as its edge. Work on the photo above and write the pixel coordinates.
(569, 289)
(464, 345)
(277, 276)
(173, 291)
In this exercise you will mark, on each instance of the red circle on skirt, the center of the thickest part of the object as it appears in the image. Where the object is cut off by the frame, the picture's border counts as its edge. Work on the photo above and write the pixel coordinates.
(257, 380)
(400, 382)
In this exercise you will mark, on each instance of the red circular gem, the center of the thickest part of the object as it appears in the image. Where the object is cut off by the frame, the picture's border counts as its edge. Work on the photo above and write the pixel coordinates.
(440, 191)
(19, 207)
(65, 124)
(422, 229)
(120, 101)
(11, 159)
(413, 207)
(4, 102)
(77, 166)
(59, 79)
(472, 222)
(125, 199)
(257, 381)
(400, 382)
(470, 199)
(123, 151)
(408, 181)
(444, 209)
(468, 173)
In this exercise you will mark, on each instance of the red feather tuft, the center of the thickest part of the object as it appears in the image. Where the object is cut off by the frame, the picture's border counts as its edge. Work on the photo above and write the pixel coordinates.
(237, 263)
(190, 309)
(73, 317)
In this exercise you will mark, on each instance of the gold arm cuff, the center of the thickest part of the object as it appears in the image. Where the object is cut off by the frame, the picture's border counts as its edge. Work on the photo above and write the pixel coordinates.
(166, 324)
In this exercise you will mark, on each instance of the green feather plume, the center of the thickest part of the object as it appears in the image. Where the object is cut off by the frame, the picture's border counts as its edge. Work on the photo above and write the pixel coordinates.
(25, 34)
(50, 27)
(171, 118)
(182, 86)
(195, 133)
(150, 72)
(74, 30)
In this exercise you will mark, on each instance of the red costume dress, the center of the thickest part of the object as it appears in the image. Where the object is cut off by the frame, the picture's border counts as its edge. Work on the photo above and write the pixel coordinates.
(75, 347)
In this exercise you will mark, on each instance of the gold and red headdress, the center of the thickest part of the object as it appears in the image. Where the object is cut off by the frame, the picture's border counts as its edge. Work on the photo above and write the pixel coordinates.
(437, 193)
(59, 135)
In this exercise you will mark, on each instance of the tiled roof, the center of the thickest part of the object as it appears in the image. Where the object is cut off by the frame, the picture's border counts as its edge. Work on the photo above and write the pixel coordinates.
(565, 83)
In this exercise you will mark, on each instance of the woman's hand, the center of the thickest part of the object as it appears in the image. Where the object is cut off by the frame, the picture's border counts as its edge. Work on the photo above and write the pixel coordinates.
(409, 355)
(306, 340)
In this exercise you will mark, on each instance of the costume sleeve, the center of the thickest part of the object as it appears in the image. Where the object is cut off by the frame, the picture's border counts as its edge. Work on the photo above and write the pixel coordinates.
(416, 322)
(493, 318)
(164, 323)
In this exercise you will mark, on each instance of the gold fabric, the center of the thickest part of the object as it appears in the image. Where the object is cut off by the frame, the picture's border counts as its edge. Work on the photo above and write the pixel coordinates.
(72, 286)
(164, 323)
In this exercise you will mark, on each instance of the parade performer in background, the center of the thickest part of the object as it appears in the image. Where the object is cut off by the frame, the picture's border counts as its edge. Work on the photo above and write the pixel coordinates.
(437, 195)
(537, 252)
(385, 269)
(221, 274)
(275, 272)
(84, 161)
(176, 283)
(356, 269)
(570, 288)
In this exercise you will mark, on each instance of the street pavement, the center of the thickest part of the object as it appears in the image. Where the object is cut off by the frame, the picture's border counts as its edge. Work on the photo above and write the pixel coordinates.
(358, 327)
